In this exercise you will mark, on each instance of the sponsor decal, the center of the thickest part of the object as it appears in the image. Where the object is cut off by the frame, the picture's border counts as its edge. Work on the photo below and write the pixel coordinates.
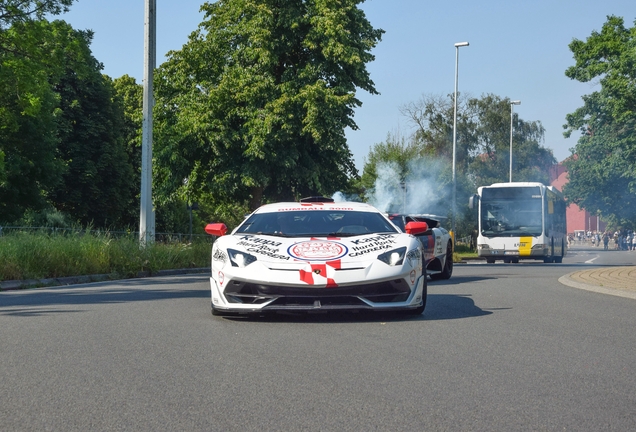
(371, 244)
(412, 274)
(317, 250)
(219, 255)
(320, 274)
(262, 246)
(221, 278)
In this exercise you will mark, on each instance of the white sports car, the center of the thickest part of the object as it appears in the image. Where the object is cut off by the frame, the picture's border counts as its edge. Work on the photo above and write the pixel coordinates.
(437, 244)
(317, 255)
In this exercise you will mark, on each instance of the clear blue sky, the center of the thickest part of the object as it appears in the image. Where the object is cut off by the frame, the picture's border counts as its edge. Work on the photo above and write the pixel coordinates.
(518, 49)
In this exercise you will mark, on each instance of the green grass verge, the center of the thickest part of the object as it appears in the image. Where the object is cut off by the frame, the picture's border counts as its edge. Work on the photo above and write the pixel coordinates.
(463, 251)
(41, 256)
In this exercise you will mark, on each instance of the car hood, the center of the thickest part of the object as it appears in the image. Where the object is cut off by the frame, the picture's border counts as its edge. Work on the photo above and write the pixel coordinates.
(317, 249)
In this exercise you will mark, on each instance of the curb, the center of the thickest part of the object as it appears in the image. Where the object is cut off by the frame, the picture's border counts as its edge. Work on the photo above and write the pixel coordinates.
(75, 280)
(566, 280)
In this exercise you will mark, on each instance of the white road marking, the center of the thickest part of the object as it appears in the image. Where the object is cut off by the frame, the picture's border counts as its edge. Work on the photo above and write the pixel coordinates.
(590, 261)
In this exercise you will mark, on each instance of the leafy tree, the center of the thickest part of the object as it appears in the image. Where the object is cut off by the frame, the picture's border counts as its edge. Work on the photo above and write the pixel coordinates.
(255, 105)
(96, 186)
(130, 96)
(424, 160)
(491, 158)
(602, 171)
(483, 138)
(15, 11)
(28, 113)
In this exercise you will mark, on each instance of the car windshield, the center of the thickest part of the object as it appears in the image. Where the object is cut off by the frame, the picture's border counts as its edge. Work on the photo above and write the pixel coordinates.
(317, 223)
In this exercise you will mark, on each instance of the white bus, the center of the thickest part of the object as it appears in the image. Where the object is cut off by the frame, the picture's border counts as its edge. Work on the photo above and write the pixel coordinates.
(520, 221)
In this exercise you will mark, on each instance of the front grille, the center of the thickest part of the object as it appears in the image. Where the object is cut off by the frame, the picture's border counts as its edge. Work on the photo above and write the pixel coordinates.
(383, 292)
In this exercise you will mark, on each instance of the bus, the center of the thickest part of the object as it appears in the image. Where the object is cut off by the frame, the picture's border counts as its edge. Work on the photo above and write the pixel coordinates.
(520, 220)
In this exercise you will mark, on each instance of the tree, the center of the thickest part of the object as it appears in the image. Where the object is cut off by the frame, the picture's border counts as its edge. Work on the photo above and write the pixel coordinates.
(96, 185)
(256, 103)
(491, 159)
(424, 159)
(602, 171)
(15, 11)
(28, 113)
(483, 138)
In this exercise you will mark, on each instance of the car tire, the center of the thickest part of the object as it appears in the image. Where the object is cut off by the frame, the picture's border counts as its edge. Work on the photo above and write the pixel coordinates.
(490, 261)
(447, 271)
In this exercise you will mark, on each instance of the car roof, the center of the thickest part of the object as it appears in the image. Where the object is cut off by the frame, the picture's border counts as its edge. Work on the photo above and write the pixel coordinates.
(309, 206)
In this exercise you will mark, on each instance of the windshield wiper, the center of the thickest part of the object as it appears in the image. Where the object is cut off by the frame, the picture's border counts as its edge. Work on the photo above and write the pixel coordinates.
(274, 234)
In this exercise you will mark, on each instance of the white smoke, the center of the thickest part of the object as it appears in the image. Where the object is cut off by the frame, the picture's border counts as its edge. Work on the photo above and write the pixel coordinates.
(420, 192)
(341, 197)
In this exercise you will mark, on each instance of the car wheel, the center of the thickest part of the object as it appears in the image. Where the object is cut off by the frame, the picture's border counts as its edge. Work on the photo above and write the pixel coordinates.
(490, 260)
(447, 271)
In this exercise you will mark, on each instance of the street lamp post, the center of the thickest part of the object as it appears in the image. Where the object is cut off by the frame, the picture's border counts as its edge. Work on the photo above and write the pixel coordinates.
(512, 104)
(457, 46)
(146, 214)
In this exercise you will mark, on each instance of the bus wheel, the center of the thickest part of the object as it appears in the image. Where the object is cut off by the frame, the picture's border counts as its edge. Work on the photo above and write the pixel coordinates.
(490, 260)
(507, 260)
(558, 259)
(515, 260)
(548, 260)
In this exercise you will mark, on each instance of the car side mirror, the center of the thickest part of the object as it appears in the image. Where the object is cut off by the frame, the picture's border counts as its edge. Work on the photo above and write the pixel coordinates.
(216, 229)
(415, 228)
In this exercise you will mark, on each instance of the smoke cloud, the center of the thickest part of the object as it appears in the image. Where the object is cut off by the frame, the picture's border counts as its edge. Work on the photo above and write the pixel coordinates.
(420, 192)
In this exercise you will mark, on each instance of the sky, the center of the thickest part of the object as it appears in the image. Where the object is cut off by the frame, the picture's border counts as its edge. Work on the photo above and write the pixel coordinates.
(518, 50)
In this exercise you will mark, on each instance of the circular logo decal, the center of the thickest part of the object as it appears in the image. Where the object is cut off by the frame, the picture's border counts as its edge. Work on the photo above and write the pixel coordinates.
(317, 250)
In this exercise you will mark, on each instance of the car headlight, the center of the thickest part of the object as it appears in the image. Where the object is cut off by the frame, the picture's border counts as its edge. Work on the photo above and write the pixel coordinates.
(240, 259)
(394, 257)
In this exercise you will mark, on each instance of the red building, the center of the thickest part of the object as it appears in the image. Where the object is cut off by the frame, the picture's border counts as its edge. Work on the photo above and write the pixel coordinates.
(577, 218)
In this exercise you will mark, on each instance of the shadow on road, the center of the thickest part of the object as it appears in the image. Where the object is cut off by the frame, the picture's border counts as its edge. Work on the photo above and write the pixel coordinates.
(438, 307)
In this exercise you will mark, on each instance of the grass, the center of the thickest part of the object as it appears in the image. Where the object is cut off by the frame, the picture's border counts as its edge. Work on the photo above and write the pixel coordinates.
(41, 255)
(28, 255)
(463, 251)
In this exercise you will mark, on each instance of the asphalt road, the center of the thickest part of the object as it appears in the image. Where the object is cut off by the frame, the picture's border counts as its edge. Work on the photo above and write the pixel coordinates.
(499, 347)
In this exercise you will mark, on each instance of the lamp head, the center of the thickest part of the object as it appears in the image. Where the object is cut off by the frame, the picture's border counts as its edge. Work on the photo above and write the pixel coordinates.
(461, 44)
(515, 102)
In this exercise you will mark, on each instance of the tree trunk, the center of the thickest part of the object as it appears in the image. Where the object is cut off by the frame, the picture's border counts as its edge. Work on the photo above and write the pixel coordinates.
(257, 195)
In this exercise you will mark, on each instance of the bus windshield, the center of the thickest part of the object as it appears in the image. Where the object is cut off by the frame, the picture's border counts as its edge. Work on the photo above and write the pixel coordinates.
(511, 212)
